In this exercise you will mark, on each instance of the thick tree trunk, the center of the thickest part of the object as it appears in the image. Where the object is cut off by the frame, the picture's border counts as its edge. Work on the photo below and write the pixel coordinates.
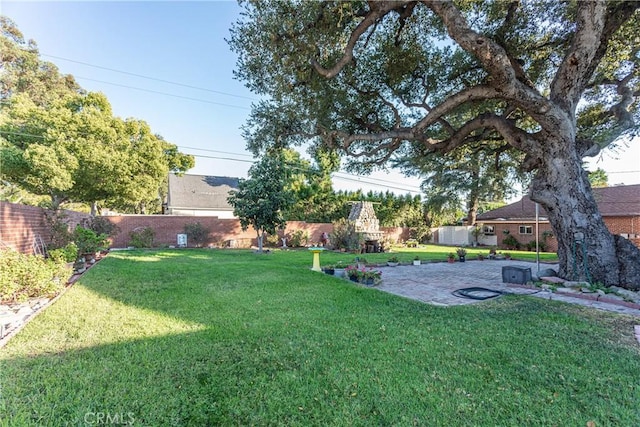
(586, 249)
(474, 194)
(473, 205)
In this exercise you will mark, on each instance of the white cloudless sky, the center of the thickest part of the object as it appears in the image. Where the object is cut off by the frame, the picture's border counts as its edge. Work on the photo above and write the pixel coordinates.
(168, 63)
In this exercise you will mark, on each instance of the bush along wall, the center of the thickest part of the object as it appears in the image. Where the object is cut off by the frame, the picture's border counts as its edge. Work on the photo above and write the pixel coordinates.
(28, 276)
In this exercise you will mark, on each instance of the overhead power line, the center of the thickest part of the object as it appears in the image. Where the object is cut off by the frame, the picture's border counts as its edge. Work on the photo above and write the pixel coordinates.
(386, 181)
(163, 93)
(214, 151)
(361, 181)
(351, 177)
(415, 188)
(356, 178)
(149, 77)
(222, 158)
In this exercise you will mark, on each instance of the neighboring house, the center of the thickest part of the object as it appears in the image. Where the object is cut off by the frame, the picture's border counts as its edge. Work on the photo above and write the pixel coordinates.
(200, 195)
(619, 206)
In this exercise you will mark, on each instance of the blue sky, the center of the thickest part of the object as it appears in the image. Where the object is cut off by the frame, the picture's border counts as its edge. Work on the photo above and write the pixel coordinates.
(179, 42)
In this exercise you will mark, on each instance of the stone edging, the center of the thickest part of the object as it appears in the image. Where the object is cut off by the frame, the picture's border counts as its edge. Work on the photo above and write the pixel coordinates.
(591, 297)
(601, 299)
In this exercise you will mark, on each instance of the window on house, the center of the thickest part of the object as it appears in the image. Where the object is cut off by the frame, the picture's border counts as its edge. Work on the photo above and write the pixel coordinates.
(526, 229)
(488, 230)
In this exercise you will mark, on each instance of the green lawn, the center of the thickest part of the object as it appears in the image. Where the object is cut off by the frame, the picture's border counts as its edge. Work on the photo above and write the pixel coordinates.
(212, 337)
(439, 253)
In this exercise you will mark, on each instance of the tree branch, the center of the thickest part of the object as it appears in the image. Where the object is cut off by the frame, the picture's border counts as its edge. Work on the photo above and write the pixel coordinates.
(404, 12)
(480, 92)
(490, 54)
(512, 134)
(597, 23)
(377, 9)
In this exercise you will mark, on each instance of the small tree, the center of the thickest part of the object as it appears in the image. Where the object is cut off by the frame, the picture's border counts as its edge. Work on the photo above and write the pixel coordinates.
(142, 237)
(101, 225)
(262, 198)
(59, 228)
(88, 241)
(196, 232)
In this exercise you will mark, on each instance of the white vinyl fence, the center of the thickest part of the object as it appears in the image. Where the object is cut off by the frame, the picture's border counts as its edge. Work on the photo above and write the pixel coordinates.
(462, 236)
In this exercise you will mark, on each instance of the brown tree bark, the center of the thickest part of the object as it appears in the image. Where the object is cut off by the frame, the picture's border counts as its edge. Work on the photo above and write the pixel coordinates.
(586, 248)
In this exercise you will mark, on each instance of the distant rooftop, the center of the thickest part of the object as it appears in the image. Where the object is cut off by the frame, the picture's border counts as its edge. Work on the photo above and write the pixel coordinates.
(622, 200)
(200, 192)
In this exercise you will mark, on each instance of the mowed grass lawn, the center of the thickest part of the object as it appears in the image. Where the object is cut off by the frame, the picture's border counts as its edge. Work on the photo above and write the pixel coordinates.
(214, 337)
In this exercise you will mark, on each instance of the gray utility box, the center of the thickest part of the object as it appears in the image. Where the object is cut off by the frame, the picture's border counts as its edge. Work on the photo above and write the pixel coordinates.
(516, 274)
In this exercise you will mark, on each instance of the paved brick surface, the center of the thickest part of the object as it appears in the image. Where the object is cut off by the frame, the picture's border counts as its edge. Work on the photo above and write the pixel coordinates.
(434, 283)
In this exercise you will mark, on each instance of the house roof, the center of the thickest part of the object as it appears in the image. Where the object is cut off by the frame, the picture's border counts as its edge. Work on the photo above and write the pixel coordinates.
(623, 200)
(200, 192)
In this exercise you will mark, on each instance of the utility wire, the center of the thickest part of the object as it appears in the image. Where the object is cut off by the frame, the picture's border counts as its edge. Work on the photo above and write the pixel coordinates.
(149, 77)
(375, 179)
(222, 158)
(164, 93)
(214, 151)
(359, 180)
(376, 184)
(417, 189)
(356, 178)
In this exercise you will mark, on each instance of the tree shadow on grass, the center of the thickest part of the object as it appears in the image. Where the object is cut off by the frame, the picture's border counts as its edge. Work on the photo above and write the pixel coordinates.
(201, 341)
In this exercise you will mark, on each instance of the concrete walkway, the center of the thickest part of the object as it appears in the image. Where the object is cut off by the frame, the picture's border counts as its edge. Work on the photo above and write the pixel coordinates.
(434, 283)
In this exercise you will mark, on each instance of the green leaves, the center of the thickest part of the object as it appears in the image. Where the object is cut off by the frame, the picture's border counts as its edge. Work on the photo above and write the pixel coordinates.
(261, 200)
(60, 141)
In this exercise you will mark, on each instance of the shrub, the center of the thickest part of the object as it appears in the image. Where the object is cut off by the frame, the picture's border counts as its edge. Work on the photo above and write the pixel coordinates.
(344, 235)
(421, 233)
(196, 233)
(67, 254)
(87, 241)
(299, 238)
(59, 229)
(24, 276)
(273, 240)
(511, 242)
(531, 246)
(142, 237)
(101, 225)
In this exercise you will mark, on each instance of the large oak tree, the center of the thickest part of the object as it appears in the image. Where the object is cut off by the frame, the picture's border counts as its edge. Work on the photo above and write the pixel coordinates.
(557, 81)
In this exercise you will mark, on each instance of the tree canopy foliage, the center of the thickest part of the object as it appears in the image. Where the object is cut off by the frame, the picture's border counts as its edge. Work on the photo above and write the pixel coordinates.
(550, 81)
(58, 140)
(261, 200)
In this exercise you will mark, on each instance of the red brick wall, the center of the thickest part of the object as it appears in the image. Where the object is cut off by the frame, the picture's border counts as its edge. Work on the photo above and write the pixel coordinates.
(20, 224)
(623, 224)
(629, 225)
(397, 234)
(222, 230)
(616, 225)
(514, 230)
(167, 227)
